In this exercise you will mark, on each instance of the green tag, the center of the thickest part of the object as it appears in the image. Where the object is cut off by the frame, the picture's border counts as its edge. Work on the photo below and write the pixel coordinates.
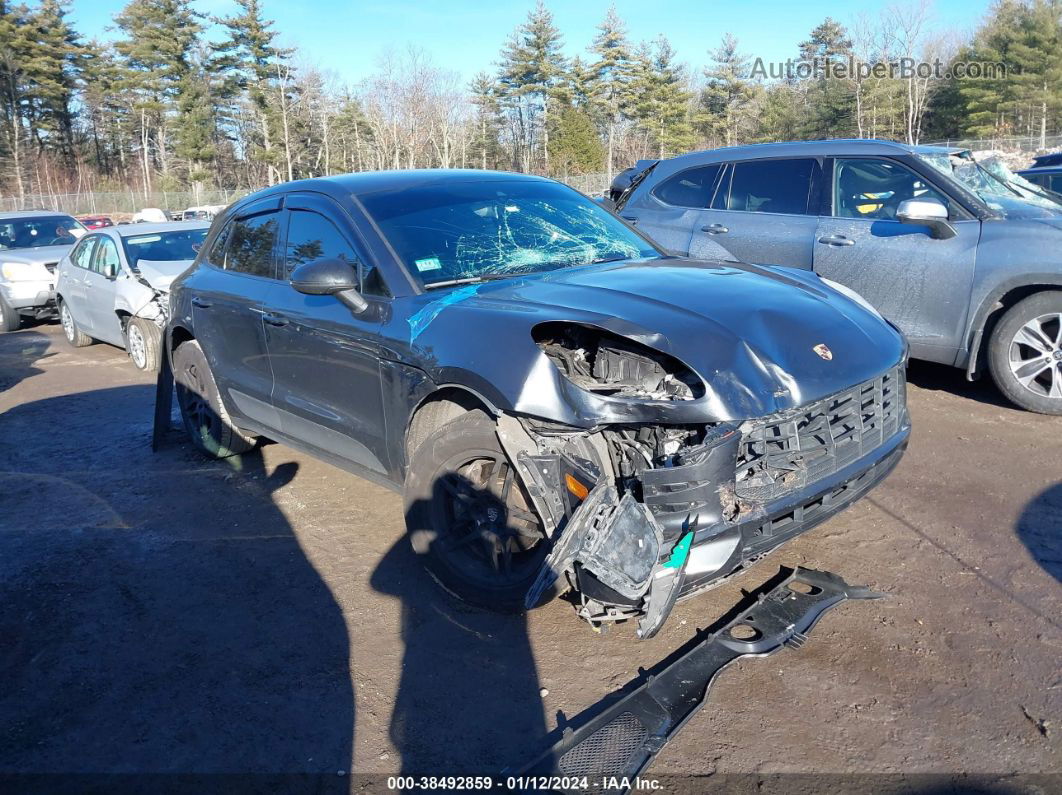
(680, 552)
(428, 264)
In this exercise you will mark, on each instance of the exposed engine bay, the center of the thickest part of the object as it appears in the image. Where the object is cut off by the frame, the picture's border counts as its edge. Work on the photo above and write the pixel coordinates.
(627, 506)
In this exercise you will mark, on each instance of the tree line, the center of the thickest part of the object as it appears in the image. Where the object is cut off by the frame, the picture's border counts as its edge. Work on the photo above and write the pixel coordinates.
(183, 99)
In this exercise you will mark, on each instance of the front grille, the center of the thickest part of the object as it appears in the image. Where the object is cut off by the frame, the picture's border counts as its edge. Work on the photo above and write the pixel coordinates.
(785, 452)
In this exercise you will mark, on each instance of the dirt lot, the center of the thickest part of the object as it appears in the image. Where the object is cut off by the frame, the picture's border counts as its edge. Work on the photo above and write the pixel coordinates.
(162, 613)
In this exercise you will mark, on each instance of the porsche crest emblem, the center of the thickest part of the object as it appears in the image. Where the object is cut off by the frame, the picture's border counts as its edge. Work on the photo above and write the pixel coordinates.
(823, 351)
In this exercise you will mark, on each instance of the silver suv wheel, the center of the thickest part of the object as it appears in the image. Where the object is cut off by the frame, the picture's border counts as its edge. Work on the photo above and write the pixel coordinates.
(137, 346)
(1036, 355)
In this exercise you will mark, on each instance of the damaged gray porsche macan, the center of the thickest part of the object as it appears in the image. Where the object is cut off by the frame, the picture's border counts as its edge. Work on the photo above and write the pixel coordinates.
(566, 408)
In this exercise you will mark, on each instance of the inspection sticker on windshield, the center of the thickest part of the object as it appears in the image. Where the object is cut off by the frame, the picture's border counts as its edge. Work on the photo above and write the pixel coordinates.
(429, 264)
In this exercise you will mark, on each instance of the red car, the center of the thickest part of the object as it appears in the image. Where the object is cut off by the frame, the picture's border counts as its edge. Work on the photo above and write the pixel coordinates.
(95, 221)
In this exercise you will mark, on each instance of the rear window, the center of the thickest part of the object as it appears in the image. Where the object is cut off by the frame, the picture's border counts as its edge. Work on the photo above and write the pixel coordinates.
(771, 186)
(691, 188)
(163, 246)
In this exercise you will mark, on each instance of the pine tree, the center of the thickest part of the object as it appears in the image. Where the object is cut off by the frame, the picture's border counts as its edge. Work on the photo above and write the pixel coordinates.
(16, 48)
(577, 148)
(531, 73)
(727, 94)
(830, 99)
(611, 76)
(661, 104)
(51, 72)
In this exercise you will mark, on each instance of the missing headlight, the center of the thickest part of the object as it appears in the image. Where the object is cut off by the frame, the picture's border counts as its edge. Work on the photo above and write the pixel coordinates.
(608, 364)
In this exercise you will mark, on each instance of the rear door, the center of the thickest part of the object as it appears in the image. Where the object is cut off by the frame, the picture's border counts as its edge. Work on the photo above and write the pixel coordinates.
(325, 359)
(71, 282)
(668, 212)
(920, 283)
(99, 293)
(764, 211)
(228, 296)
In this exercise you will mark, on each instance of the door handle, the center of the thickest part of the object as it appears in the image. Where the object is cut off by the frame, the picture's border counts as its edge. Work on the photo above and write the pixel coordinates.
(630, 219)
(715, 229)
(837, 240)
(274, 319)
(199, 302)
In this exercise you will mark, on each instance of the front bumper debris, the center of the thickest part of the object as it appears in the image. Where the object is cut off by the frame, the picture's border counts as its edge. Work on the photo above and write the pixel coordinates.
(618, 743)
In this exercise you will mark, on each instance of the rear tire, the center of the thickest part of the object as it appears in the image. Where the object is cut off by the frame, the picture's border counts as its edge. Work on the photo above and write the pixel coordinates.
(10, 319)
(74, 335)
(469, 517)
(1025, 353)
(142, 341)
(202, 411)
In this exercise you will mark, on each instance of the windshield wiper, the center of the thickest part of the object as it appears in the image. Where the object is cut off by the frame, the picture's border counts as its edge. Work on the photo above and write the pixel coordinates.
(453, 282)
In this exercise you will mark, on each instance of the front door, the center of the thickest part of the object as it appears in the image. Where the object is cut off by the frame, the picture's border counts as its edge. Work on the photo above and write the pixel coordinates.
(99, 293)
(920, 283)
(325, 359)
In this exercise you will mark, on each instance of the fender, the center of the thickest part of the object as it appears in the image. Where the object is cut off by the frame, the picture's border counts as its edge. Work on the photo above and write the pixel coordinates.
(970, 357)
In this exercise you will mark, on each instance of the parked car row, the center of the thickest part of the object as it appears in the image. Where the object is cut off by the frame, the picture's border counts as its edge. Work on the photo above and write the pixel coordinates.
(628, 412)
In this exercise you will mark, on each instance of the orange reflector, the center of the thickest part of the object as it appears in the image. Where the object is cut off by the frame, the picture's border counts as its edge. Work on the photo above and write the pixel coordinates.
(575, 487)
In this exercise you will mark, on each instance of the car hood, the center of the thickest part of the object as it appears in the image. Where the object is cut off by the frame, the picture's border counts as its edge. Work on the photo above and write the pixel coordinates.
(160, 274)
(751, 333)
(45, 255)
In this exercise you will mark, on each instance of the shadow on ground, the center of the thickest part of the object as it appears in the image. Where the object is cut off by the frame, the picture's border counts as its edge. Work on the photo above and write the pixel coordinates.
(450, 716)
(19, 354)
(942, 378)
(1040, 529)
(159, 613)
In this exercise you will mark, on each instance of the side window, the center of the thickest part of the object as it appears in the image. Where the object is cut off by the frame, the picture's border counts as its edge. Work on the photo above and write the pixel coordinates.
(1056, 183)
(106, 254)
(690, 188)
(216, 254)
(83, 253)
(252, 242)
(312, 236)
(771, 186)
(874, 188)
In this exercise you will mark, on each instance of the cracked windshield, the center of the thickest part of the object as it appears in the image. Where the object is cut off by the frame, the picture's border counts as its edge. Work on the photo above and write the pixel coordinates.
(996, 185)
(469, 232)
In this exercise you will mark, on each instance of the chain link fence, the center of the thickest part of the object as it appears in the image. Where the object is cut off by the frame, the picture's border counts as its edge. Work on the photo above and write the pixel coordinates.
(129, 202)
(1025, 144)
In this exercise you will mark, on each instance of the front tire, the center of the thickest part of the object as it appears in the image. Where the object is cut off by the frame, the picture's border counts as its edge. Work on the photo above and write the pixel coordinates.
(202, 411)
(1025, 353)
(74, 335)
(10, 319)
(469, 517)
(142, 341)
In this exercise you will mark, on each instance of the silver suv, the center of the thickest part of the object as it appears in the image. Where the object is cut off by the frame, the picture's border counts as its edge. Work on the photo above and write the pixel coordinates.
(965, 265)
(31, 244)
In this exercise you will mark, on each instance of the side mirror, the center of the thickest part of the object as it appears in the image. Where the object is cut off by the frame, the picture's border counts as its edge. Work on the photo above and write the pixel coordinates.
(926, 212)
(330, 277)
(110, 270)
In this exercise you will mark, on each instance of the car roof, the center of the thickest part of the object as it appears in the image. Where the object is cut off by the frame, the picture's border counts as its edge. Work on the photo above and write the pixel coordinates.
(824, 148)
(131, 230)
(364, 182)
(5, 216)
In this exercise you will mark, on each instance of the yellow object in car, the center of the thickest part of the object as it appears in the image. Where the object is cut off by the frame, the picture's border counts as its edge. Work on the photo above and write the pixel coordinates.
(877, 203)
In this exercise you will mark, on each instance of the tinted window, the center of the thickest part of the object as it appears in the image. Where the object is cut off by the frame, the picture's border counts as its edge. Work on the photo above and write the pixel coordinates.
(106, 254)
(312, 236)
(692, 188)
(1056, 183)
(164, 246)
(83, 253)
(251, 245)
(771, 186)
(874, 188)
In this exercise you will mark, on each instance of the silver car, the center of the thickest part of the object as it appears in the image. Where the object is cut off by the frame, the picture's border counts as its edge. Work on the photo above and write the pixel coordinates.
(31, 245)
(113, 285)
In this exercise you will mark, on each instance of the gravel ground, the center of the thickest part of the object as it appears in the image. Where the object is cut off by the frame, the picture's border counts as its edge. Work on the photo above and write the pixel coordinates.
(166, 614)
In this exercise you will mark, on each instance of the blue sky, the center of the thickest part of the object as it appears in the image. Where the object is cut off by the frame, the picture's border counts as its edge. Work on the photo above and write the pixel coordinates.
(347, 37)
